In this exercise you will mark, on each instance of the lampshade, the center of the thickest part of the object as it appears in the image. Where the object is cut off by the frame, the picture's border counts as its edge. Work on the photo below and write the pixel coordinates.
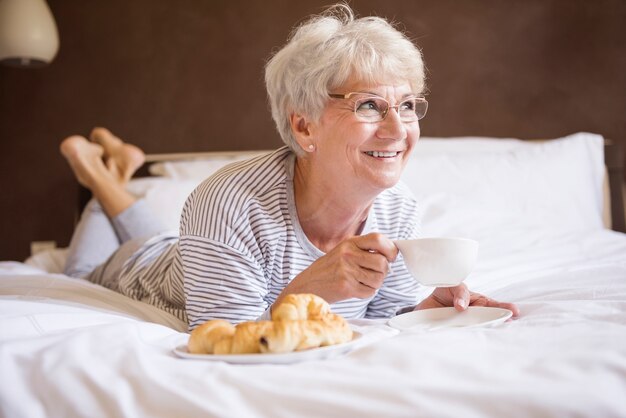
(28, 33)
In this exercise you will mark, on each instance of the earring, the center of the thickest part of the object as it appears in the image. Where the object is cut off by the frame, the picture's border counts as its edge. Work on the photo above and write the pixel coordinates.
(311, 147)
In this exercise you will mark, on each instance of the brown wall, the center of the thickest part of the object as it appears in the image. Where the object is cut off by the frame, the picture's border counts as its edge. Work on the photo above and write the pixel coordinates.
(186, 75)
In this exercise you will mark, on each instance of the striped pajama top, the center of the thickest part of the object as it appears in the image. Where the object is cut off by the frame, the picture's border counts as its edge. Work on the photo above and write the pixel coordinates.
(240, 244)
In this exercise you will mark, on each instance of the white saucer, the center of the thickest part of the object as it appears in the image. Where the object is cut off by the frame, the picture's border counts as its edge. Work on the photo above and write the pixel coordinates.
(294, 357)
(436, 318)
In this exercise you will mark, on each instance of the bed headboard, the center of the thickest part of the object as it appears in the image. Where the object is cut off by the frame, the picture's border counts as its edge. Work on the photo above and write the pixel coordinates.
(614, 160)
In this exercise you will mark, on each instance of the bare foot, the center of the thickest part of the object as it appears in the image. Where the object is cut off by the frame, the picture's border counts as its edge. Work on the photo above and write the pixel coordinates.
(121, 159)
(85, 159)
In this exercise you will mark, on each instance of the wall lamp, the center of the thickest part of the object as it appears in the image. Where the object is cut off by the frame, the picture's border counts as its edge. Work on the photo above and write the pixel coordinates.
(28, 33)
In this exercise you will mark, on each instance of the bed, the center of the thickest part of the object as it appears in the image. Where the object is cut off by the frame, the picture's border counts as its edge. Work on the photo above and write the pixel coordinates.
(547, 227)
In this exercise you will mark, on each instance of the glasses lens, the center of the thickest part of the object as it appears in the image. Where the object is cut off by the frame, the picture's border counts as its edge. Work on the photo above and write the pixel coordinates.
(371, 108)
(407, 110)
(421, 106)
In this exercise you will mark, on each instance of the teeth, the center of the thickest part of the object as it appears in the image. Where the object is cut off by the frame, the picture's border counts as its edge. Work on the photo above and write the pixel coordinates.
(381, 154)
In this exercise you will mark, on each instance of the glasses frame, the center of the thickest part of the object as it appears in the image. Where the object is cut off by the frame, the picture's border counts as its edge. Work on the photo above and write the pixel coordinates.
(417, 98)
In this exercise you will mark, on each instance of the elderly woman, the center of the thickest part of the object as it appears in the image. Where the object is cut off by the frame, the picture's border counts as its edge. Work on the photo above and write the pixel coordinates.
(315, 216)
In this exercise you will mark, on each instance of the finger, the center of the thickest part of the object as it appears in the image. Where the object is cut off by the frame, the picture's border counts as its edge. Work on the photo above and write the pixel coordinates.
(375, 262)
(364, 285)
(368, 270)
(513, 308)
(367, 259)
(378, 243)
(461, 297)
(481, 300)
(370, 279)
(504, 305)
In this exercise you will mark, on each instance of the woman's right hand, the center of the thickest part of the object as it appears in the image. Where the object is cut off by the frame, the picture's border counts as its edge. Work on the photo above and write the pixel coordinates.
(355, 268)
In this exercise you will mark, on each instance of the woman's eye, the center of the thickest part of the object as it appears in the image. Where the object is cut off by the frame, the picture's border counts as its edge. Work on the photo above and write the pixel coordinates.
(367, 106)
(408, 105)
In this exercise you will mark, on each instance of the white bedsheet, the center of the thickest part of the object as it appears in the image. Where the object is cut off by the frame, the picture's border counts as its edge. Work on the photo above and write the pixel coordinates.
(69, 348)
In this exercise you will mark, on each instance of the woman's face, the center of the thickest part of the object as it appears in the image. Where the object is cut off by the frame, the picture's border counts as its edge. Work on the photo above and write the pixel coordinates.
(368, 156)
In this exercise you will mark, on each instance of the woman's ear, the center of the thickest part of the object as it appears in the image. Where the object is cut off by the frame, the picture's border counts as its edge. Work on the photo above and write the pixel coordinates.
(302, 131)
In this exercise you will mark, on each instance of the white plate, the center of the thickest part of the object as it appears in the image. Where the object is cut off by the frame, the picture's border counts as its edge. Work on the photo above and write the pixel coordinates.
(294, 357)
(449, 317)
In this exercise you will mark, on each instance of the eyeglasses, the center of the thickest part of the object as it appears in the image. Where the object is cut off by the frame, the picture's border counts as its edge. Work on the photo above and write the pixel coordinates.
(371, 108)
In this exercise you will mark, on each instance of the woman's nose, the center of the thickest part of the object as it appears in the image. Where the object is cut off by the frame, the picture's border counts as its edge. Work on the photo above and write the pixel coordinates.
(391, 127)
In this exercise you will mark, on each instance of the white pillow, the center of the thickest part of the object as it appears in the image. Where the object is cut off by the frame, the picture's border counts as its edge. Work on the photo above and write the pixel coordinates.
(165, 196)
(51, 261)
(200, 168)
(479, 187)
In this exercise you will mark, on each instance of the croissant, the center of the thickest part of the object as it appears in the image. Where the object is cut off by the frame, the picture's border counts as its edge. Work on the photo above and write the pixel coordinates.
(300, 306)
(220, 337)
(204, 338)
(245, 340)
(287, 336)
(301, 321)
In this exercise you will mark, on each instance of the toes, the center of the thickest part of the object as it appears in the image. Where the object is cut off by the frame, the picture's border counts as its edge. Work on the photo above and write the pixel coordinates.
(84, 158)
(69, 144)
(76, 145)
(103, 136)
(133, 156)
(122, 159)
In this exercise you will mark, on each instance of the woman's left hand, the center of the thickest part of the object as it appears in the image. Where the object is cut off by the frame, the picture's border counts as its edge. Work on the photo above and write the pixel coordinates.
(460, 297)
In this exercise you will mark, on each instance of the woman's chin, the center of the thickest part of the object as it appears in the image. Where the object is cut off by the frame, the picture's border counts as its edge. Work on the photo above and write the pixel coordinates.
(383, 181)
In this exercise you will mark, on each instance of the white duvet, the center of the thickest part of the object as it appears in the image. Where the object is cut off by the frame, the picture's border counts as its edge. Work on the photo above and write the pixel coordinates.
(69, 348)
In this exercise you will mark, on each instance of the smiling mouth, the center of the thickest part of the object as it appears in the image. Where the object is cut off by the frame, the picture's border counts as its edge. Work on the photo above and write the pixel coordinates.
(382, 154)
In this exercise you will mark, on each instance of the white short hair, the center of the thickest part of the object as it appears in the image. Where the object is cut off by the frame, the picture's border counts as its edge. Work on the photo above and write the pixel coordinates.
(328, 49)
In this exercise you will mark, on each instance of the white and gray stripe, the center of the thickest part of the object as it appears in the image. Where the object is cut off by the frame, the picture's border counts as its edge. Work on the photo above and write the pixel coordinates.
(240, 244)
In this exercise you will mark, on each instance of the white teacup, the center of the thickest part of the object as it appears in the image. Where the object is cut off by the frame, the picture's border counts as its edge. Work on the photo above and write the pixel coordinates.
(439, 262)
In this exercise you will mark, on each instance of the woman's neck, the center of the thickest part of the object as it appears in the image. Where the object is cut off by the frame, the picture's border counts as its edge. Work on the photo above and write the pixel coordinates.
(328, 213)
